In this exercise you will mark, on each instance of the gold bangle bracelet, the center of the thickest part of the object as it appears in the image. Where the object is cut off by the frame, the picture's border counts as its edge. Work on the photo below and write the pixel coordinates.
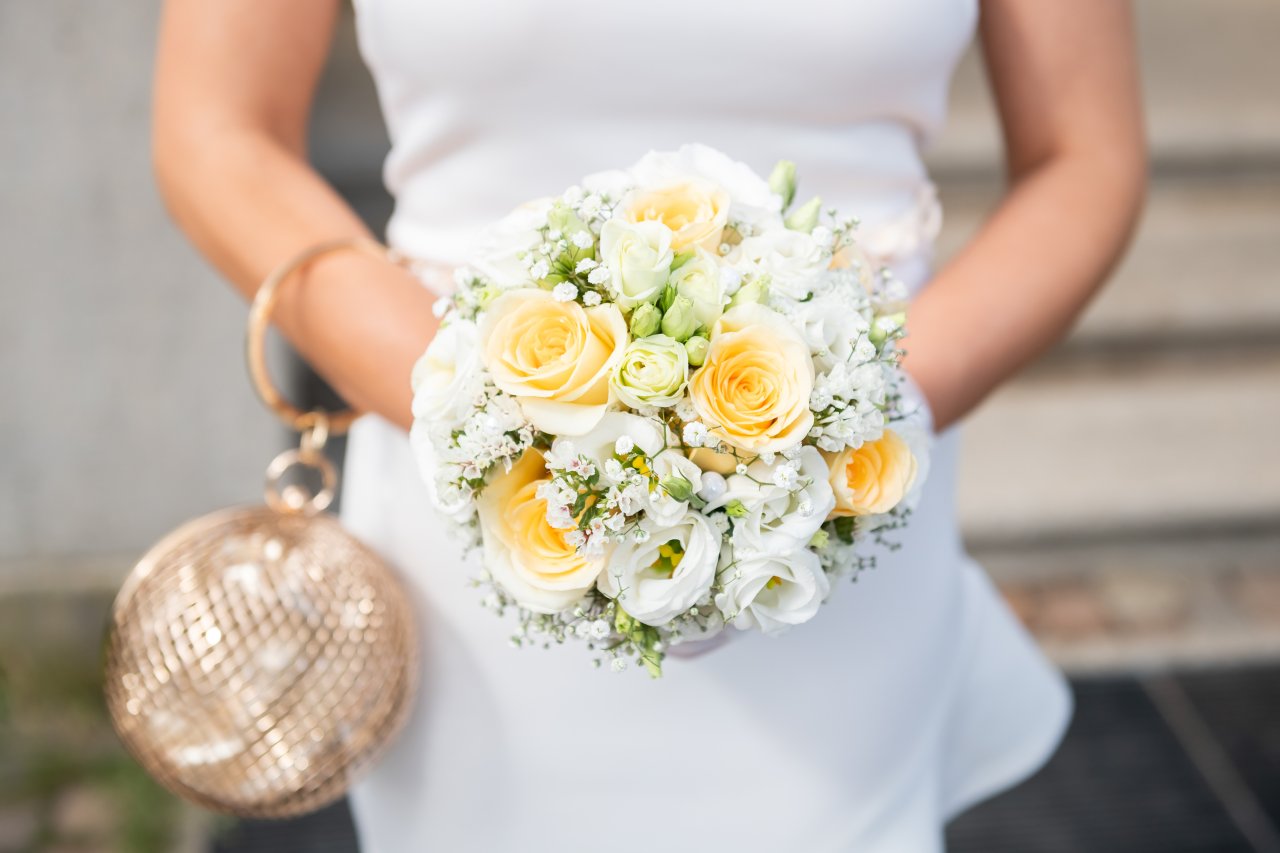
(264, 301)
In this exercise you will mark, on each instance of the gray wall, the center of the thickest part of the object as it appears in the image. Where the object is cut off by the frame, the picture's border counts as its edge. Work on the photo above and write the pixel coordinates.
(125, 407)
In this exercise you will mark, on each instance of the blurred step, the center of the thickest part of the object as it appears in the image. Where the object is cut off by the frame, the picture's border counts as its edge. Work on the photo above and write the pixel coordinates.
(1126, 446)
(1185, 599)
(1203, 270)
(1208, 72)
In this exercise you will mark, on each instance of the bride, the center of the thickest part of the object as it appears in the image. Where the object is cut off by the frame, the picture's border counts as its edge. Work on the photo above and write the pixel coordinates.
(916, 694)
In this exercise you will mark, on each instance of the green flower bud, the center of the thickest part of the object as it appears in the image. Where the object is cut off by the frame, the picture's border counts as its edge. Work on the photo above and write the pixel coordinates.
(820, 540)
(645, 320)
(486, 295)
(682, 258)
(699, 281)
(678, 487)
(783, 181)
(681, 320)
(562, 218)
(754, 290)
(805, 217)
(735, 508)
(697, 347)
(886, 327)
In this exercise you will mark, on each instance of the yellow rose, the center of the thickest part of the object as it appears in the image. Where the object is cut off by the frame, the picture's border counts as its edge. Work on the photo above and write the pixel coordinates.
(753, 389)
(523, 552)
(874, 478)
(695, 211)
(554, 357)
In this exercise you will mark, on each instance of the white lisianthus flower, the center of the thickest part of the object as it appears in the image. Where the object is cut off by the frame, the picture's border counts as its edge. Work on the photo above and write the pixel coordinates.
(674, 468)
(782, 504)
(771, 592)
(639, 256)
(830, 325)
(653, 372)
(449, 376)
(792, 259)
(455, 503)
(499, 255)
(699, 280)
(751, 199)
(662, 577)
(600, 444)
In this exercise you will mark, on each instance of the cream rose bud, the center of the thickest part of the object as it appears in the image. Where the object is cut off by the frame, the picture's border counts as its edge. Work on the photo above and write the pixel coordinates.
(699, 281)
(783, 503)
(555, 358)
(652, 372)
(791, 259)
(753, 389)
(873, 478)
(771, 592)
(526, 556)
(449, 376)
(662, 577)
(639, 256)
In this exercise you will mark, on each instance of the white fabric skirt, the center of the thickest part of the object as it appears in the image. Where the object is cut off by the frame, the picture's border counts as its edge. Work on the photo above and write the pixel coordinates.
(913, 694)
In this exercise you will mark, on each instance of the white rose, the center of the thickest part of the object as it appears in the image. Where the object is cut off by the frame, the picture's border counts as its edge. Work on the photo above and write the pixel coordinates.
(662, 577)
(769, 592)
(639, 256)
(792, 259)
(699, 280)
(670, 465)
(751, 200)
(777, 520)
(449, 376)
(652, 372)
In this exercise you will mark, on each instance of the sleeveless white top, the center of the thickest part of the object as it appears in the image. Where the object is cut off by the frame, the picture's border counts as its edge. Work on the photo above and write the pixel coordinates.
(914, 692)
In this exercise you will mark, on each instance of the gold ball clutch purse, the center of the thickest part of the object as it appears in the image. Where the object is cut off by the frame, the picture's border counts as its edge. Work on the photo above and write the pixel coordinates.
(259, 657)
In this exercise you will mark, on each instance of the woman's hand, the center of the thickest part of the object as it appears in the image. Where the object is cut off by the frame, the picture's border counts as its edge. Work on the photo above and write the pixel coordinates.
(233, 89)
(1066, 85)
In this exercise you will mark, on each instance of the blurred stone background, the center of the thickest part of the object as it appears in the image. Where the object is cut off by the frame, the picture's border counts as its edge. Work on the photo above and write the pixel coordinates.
(1125, 491)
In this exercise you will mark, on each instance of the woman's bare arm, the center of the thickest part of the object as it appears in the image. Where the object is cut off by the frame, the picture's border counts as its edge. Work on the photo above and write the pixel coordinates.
(1066, 85)
(233, 89)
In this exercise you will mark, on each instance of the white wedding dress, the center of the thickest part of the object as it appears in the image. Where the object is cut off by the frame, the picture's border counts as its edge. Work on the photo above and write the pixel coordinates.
(914, 692)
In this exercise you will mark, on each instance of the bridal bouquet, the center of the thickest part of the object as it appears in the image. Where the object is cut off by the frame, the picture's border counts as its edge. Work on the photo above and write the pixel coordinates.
(661, 404)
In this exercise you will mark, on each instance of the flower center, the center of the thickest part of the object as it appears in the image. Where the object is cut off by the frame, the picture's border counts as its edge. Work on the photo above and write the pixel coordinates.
(669, 556)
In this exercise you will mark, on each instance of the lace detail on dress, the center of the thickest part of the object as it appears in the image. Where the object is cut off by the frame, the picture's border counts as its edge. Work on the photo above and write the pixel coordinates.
(910, 234)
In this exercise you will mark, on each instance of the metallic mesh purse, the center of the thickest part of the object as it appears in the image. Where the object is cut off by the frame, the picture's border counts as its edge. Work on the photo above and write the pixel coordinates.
(259, 657)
